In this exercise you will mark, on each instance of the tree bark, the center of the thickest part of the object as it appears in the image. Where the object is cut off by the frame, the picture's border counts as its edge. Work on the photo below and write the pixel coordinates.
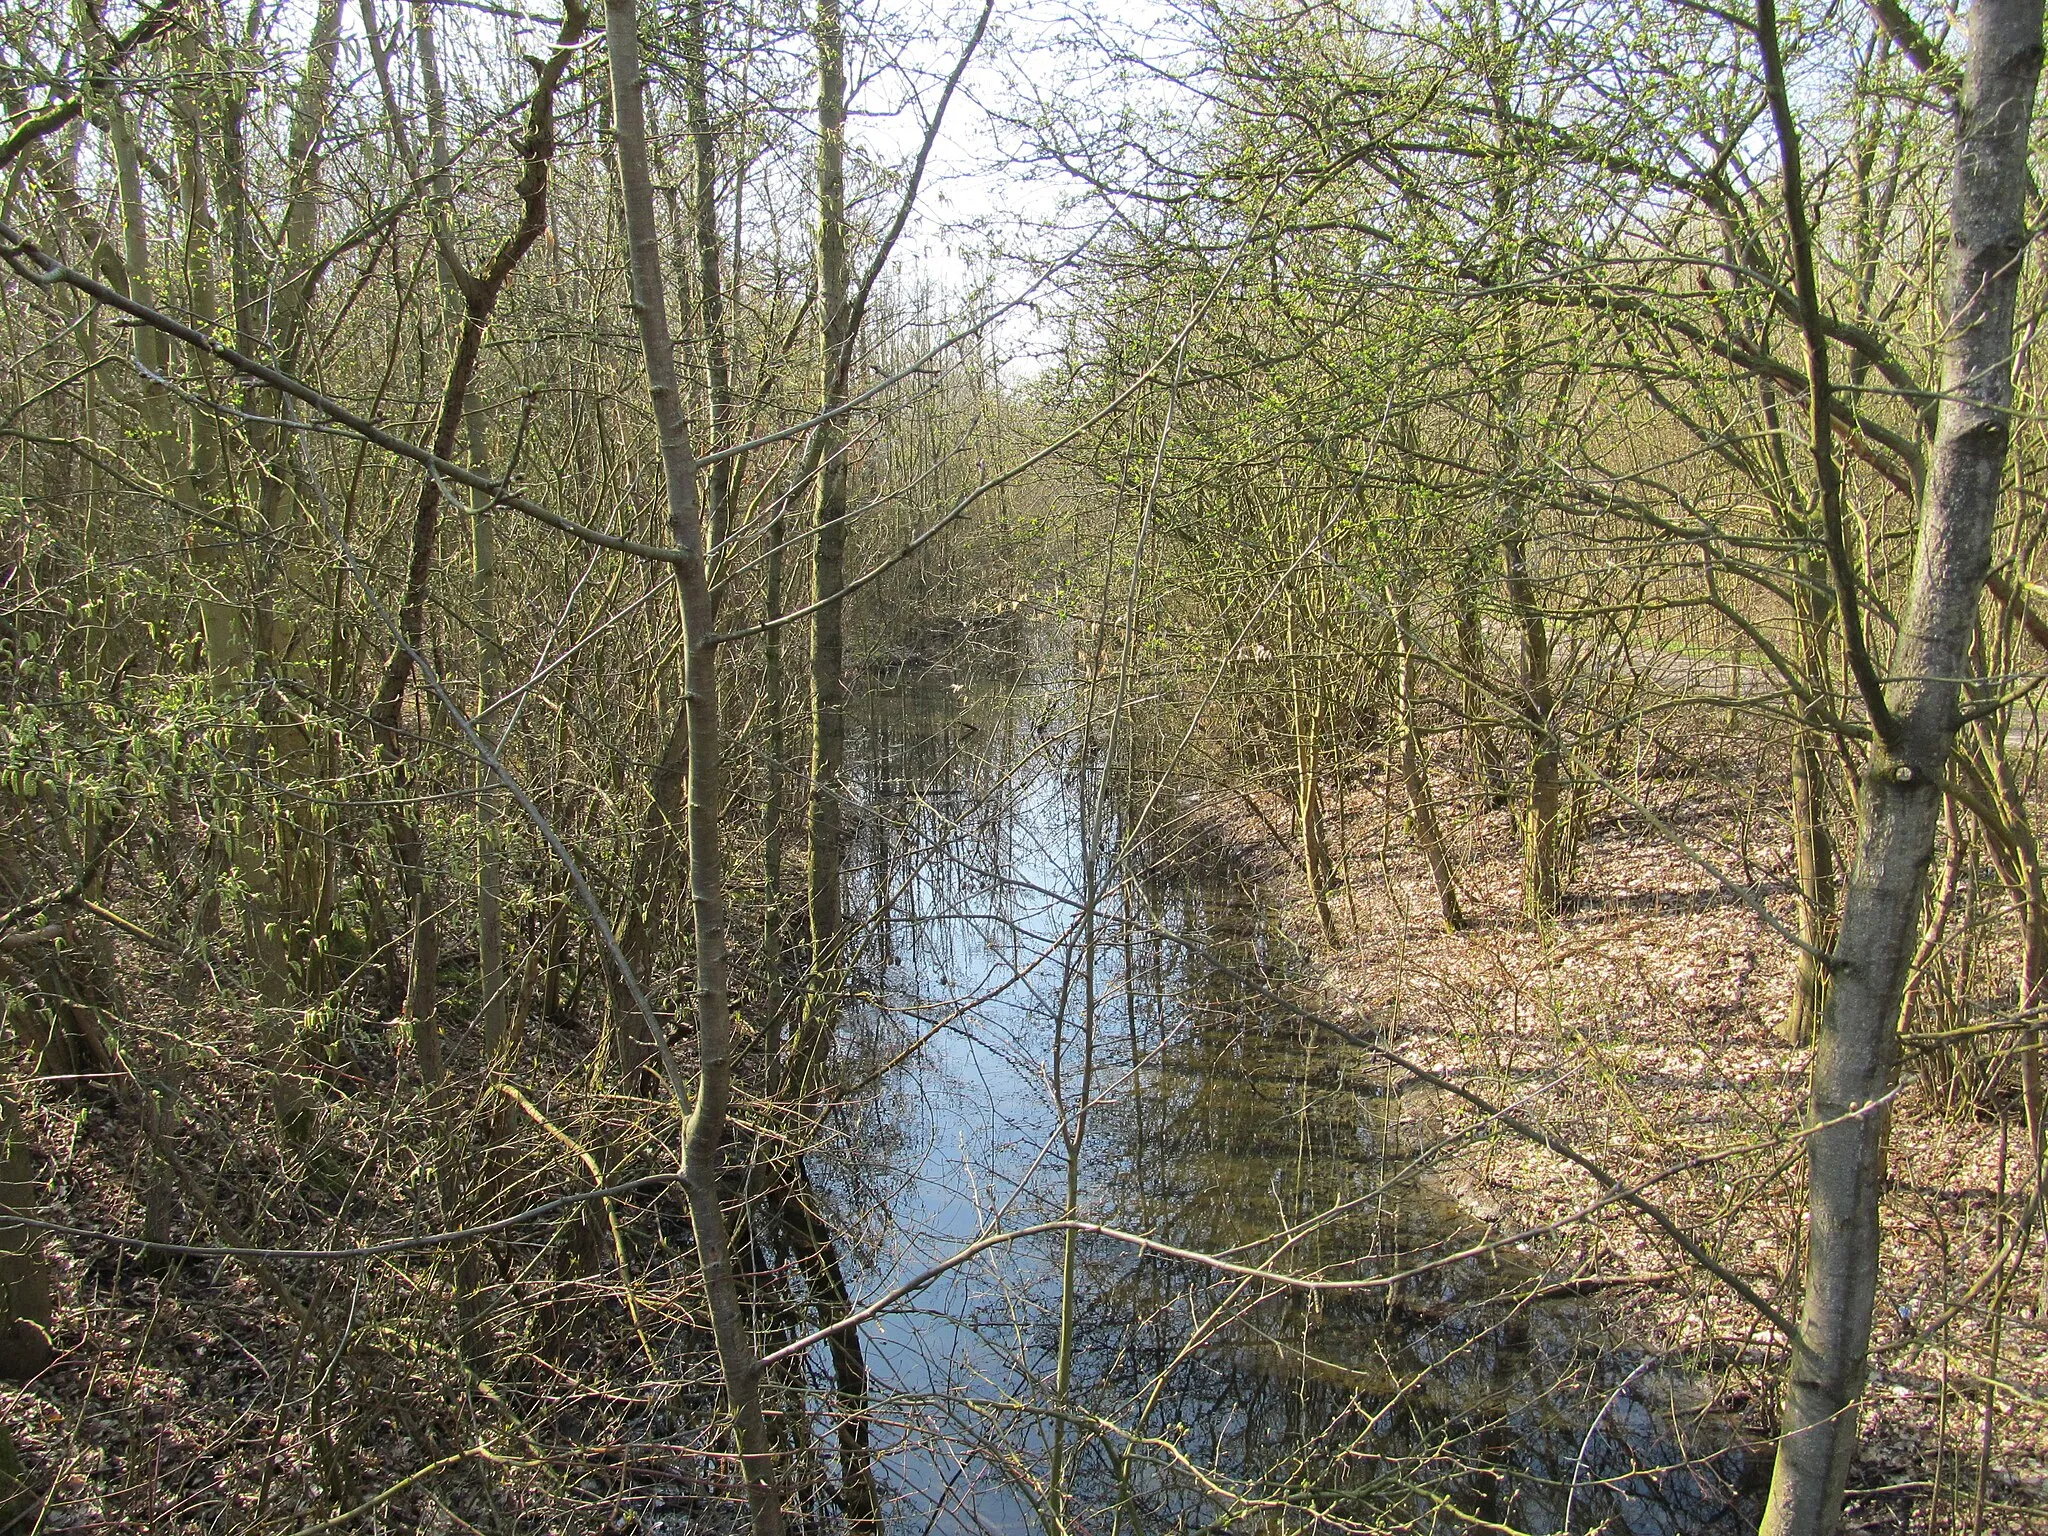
(775, 701)
(643, 925)
(719, 479)
(494, 979)
(828, 559)
(704, 1132)
(1306, 709)
(1813, 854)
(1857, 1046)
(1488, 767)
(1415, 776)
(1545, 845)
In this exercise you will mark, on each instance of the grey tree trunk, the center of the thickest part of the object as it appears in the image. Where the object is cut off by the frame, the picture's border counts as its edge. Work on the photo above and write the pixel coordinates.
(1422, 815)
(710, 254)
(704, 1133)
(775, 700)
(1307, 708)
(826, 806)
(1856, 1046)
(479, 291)
(1813, 844)
(493, 976)
(828, 560)
(1813, 855)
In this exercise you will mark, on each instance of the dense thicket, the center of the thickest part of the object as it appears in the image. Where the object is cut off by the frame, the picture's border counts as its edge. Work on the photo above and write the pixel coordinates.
(1537, 373)
(459, 465)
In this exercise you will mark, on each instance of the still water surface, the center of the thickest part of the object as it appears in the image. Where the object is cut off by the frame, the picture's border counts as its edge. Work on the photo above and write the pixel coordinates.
(1081, 1058)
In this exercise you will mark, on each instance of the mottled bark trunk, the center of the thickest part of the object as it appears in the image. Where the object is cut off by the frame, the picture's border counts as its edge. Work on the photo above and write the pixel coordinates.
(643, 925)
(710, 267)
(26, 1310)
(1317, 865)
(1813, 852)
(1900, 805)
(2009, 834)
(826, 805)
(493, 974)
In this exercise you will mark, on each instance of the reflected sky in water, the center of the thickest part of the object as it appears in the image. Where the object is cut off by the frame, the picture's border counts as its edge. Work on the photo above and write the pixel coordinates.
(1071, 1054)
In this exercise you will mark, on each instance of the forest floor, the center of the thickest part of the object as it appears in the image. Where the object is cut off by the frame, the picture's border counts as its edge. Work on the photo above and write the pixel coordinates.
(1639, 1026)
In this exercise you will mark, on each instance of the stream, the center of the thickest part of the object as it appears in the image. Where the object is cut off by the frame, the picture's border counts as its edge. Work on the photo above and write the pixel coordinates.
(1039, 1032)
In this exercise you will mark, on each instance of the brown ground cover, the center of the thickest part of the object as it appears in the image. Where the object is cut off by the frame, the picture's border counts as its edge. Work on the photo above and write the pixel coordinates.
(1640, 1027)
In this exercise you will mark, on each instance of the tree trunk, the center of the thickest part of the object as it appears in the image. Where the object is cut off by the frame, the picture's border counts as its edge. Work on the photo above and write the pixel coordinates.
(493, 975)
(1415, 775)
(1316, 862)
(704, 1133)
(1544, 841)
(828, 565)
(1813, 851)
(480, 292)
(827, 802)
(1813, 845)
(25, 1293)
(643, 926)
(719, 479)
(775, 701)
(2009, 834)
(1901, 800)
(1488, 767)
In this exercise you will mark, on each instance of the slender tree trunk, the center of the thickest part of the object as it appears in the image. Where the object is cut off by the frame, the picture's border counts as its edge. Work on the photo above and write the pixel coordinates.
(1315, 843)
(1316, 863)
(704, 1133)
(1545, 845)
(493, 978)
(493, 975)
(480, 292)
(1415, 775)
(2033, 993)
(1813, 852)
(775, 700)
(718, 400)
(1857, 1046)
(152, 349)
(287, 851)
(828, 560)
(1489, 768)
(643, 926)
(2009, 834)
(1813, 845)
(1544, 815)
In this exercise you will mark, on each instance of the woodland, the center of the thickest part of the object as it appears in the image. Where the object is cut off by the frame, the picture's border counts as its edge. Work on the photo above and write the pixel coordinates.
(1001, 767)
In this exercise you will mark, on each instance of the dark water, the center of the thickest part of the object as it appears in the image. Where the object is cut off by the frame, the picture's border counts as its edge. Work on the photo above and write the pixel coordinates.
(1080, 1059)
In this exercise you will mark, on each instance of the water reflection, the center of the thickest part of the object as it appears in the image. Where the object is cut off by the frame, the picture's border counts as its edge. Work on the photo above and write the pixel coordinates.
(1026, 1046)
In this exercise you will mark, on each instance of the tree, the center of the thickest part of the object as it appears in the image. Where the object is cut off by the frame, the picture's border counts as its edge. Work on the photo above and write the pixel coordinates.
(1915, 715)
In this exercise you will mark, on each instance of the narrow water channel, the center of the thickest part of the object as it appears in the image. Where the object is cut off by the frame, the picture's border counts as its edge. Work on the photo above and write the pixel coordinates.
(1039, 1035)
